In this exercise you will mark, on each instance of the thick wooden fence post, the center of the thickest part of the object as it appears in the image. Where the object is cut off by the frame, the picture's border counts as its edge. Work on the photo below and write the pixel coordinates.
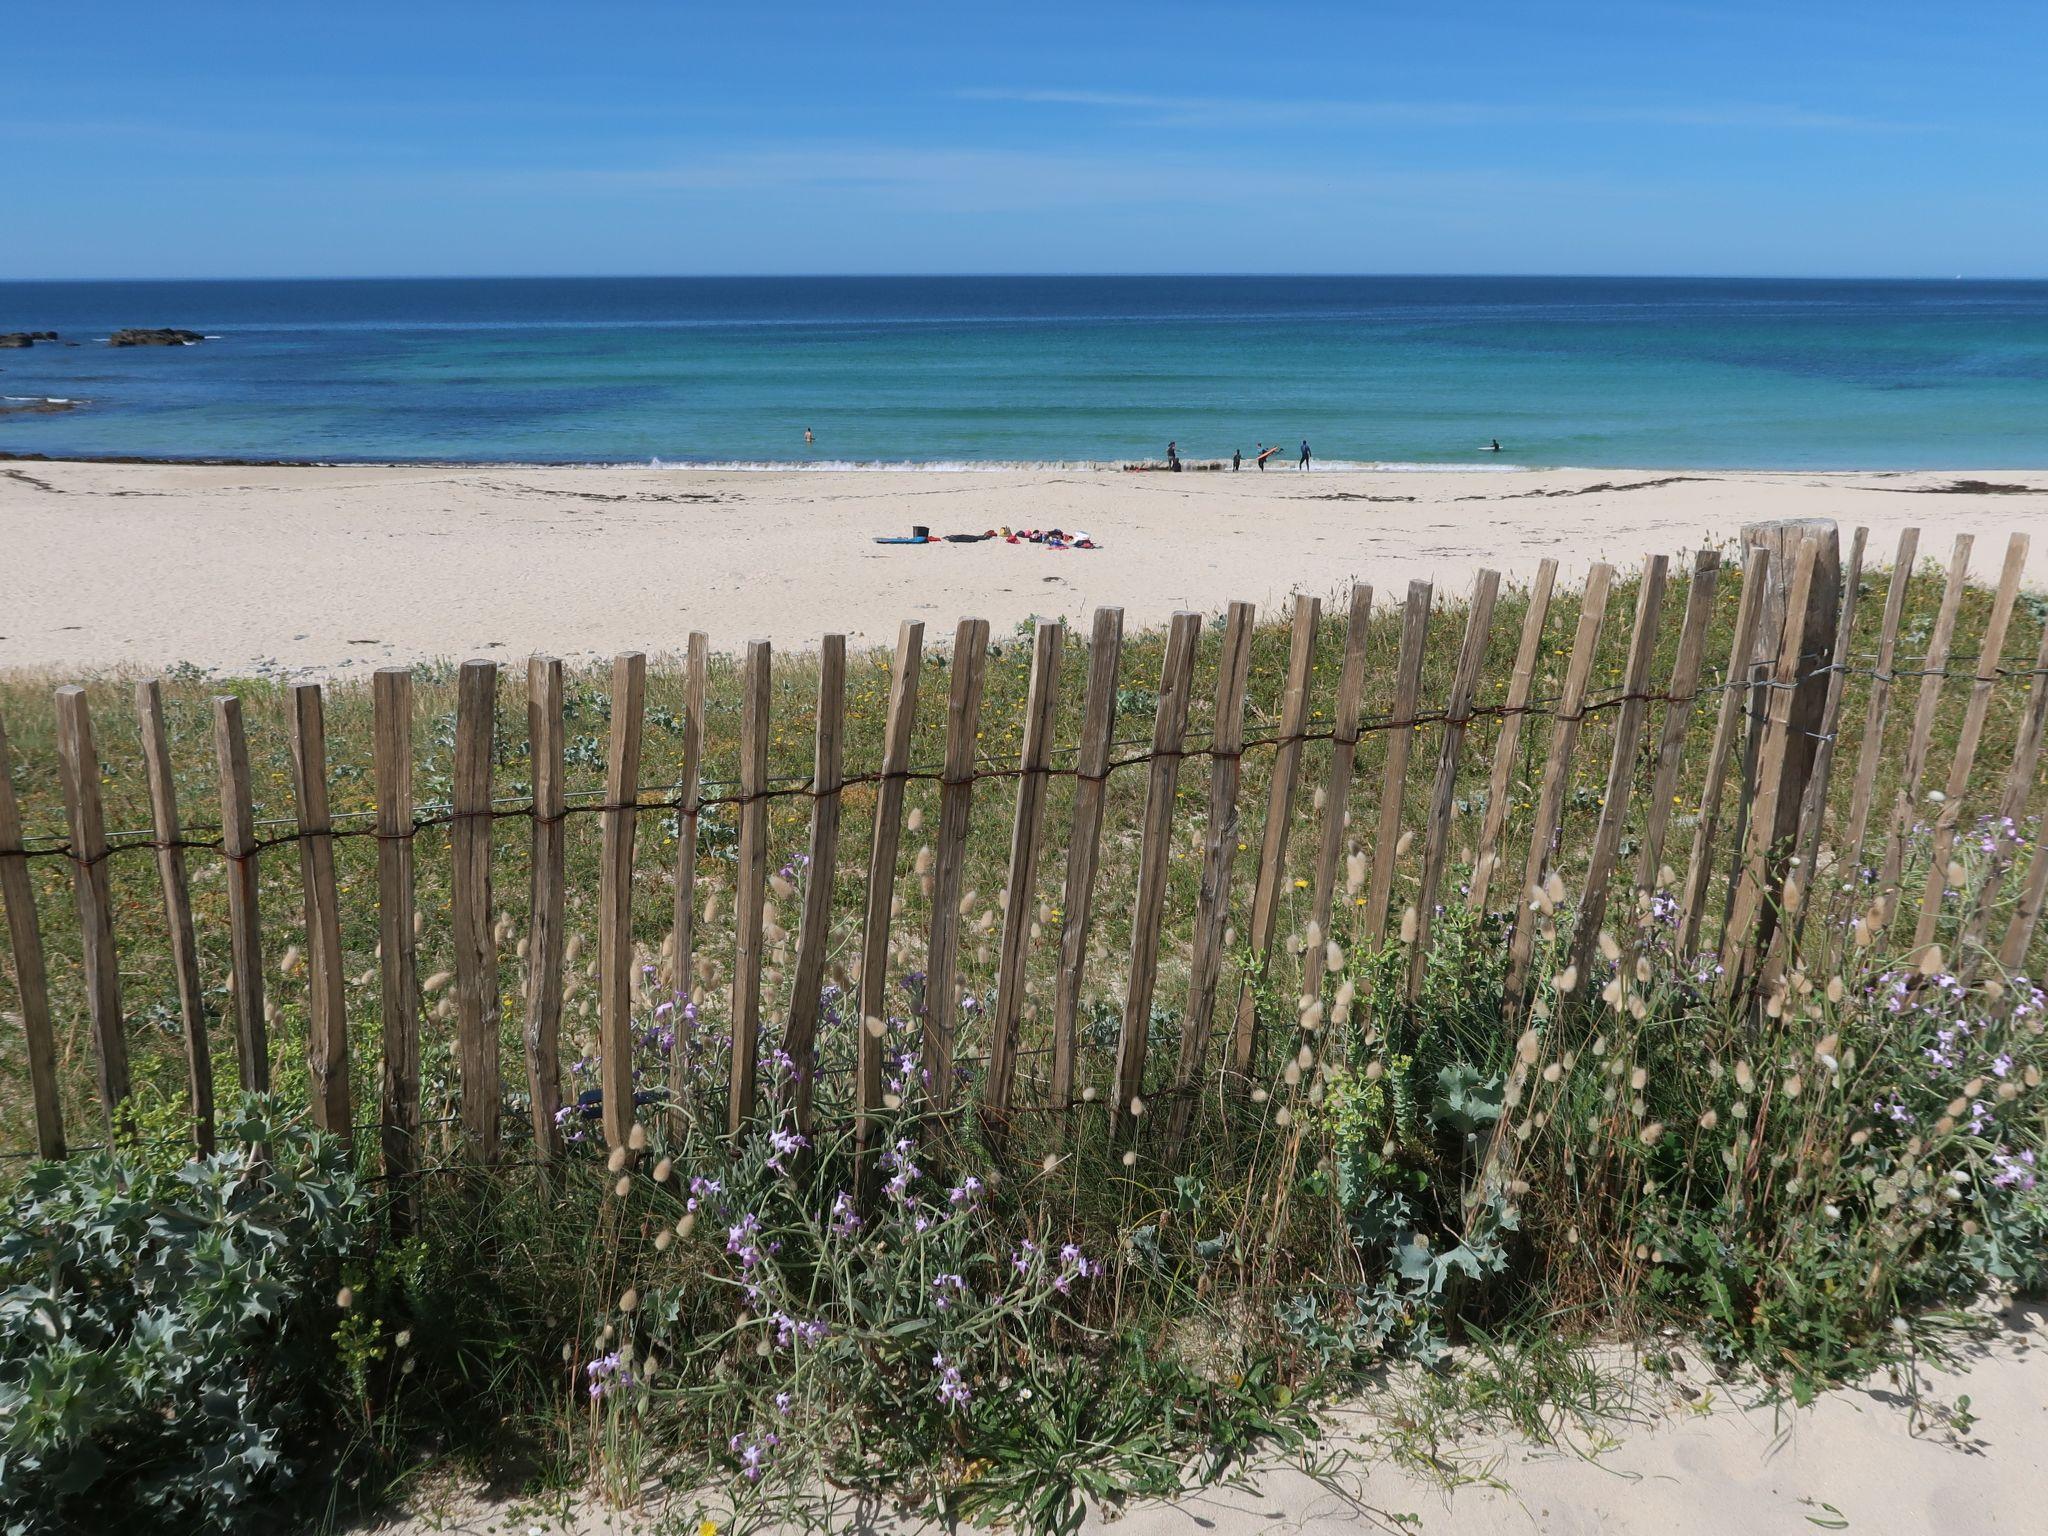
(245, 921)
(1266, 896)
(1084, 850)
(620, 821)
(956, 803)
(477, 1012)
(31, 977)
(170, 869)
(1490, 852)
(1219, 856)
(821, 871)
(327, 1010)
(1443, 798)
(79, 760)
(398, 981)
(1026, 833)
(881, 892)
(1748, 929)
(1815, 652)
(750, 888)
(1169, 729)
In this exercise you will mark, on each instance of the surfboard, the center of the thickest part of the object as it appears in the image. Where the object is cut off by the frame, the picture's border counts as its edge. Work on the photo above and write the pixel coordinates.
(1265, 456)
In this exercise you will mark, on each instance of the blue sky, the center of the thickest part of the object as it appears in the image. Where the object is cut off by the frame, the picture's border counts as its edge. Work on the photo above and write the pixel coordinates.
(180, 138)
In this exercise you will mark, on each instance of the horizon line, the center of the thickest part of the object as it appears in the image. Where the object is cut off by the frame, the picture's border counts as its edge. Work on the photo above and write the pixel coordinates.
(1072, 275)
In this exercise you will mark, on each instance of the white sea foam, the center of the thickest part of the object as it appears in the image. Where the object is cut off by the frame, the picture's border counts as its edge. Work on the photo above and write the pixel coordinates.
(1014, 466)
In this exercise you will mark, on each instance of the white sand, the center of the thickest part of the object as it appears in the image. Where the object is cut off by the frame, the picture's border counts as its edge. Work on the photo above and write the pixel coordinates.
(334, 569)
(1701, 1466)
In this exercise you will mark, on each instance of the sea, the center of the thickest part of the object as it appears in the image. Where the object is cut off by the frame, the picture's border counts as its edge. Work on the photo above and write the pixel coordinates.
(967, 373)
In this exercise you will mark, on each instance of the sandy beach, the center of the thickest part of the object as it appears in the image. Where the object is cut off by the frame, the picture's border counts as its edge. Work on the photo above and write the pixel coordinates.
(337, 569)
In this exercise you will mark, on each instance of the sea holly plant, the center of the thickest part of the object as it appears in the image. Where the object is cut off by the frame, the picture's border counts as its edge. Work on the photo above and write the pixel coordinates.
(165, 1330)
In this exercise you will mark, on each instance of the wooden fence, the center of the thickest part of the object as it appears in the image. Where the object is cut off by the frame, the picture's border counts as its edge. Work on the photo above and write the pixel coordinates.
(1466, 790)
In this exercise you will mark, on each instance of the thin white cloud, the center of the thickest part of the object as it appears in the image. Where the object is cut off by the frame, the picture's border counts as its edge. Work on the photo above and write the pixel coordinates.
(1181, 110)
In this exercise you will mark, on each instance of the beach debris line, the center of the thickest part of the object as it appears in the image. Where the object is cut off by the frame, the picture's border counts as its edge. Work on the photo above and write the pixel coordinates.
(1051, 538)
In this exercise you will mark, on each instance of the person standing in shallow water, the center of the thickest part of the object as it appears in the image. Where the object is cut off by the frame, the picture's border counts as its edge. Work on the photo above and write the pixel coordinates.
(807, 437)
(1236, 460)
(1304, 454)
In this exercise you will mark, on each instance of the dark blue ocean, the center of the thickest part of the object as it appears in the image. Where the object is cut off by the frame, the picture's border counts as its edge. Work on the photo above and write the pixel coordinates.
(959, 372)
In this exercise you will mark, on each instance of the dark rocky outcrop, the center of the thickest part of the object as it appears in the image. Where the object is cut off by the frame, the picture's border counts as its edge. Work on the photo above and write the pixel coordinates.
(26, 338)
(159, 336)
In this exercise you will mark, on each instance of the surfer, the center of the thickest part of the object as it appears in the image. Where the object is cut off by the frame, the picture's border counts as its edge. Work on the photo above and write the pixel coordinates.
(1260, 453)
(1496, 446)
(807, 437)
(1173, 457)
(1236, 460)
(1304, 454)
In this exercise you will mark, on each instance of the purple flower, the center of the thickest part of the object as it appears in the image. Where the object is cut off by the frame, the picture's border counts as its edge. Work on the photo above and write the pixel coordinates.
(952, 1390)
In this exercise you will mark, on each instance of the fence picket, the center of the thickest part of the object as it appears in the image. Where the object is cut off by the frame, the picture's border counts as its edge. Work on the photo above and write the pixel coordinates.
(956, 802)
(1084, 845)
(1990, 658)
(79, 763)
(547, 886)
(689, 813)
(1877, 706)
(168, 834)
(1343, 755)
(1394, 780)
(31, 974)
(821, 871)
(1169, 730)
(750, 888)
(245, 920)
(398, 983)
(1489, 852)
(1026, 833)
(1681, 693)
(1444, 797)
(327, 1007)
(1301, 650)
(1813, 812)
(1699, 869)
(1925, 705)
(1556, 775)
(1621, 764)
(1219, 851)
(881, 886)
(476, 946)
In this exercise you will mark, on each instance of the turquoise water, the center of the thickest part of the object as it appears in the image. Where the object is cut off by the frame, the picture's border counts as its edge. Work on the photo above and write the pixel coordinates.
(959, 372)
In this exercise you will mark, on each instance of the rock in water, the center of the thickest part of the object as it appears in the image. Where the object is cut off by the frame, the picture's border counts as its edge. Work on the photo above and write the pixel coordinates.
(146, 336)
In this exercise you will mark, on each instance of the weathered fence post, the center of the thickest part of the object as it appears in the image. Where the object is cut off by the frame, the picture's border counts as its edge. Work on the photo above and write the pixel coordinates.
(245, 922)
(30, 976)
(546, 745)
(476, 946)
(170, 868)
(821, 872)
(79, 760)
(1816, 656)
(327, 1004)
(398, 980)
